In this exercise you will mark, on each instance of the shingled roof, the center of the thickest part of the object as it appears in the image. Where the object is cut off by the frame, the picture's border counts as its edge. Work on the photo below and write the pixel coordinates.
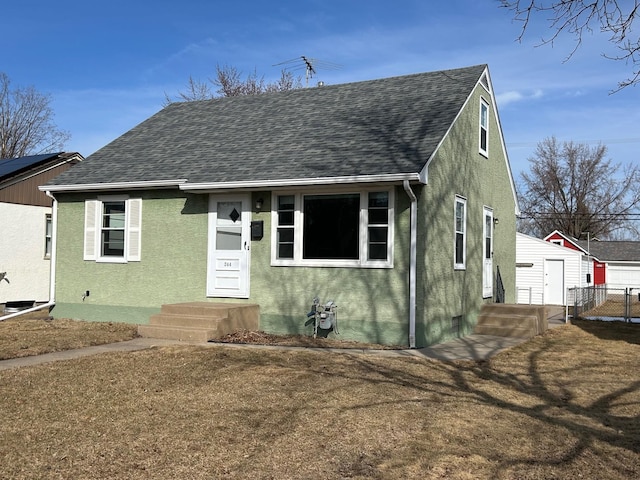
(611, 251)
(381, 127)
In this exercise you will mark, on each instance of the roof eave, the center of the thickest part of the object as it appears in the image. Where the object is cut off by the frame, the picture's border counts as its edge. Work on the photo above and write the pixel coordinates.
(152, 184)
(300, 182)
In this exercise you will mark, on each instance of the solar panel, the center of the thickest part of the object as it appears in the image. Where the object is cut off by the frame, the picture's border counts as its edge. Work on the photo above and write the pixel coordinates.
(13, 165)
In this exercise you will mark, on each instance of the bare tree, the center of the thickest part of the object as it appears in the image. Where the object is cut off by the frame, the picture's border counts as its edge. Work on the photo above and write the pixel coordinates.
(576, 189)
(26, 122)
(229, 83)
(577, 17)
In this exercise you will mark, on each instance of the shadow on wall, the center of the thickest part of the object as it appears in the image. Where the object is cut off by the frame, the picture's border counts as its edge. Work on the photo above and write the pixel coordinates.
(445, 295)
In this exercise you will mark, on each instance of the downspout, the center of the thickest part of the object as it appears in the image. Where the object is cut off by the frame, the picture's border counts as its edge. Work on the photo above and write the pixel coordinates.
(52, 270)
(54, 243)
(412, 263)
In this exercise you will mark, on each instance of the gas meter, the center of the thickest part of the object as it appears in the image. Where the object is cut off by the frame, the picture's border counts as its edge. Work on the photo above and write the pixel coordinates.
(323, 317)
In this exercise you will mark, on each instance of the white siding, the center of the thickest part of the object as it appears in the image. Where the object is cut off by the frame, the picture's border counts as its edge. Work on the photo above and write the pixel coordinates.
(623, 275)
(22, 244)
(531, 254)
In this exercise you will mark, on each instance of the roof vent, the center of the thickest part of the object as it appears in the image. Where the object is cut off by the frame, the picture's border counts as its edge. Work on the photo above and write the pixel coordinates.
(321, 83)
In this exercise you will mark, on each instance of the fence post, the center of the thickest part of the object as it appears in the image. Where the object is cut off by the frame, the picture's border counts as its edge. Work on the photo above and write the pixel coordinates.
(627, 305)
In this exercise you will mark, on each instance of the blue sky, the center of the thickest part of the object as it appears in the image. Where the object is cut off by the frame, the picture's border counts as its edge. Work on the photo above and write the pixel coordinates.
(108, 65)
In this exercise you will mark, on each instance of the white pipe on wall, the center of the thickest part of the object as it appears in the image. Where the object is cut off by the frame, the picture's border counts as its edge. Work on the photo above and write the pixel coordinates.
(412, 263)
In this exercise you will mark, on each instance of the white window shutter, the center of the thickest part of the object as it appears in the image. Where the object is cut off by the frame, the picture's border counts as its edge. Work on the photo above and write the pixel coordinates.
(134, 230)
(91, 223)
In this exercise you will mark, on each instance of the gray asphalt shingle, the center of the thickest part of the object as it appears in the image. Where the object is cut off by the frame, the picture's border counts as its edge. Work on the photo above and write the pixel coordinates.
(611, 251)
(378, 127)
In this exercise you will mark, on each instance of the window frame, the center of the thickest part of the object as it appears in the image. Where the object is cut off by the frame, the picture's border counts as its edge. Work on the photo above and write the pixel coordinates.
(93, 229)
(48, 235)
(363, 260)
(483, 127)
(460, 200)
(102, 229)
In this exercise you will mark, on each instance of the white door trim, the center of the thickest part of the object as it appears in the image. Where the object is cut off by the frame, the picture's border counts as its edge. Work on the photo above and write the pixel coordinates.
(487, 252)
(228, 268)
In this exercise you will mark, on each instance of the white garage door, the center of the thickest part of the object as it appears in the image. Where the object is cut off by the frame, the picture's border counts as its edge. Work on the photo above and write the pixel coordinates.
(623, 275)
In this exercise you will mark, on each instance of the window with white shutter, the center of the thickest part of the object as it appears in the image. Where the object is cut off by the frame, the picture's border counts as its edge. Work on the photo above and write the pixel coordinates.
(112, 229)
(134, 230)
(91, 208)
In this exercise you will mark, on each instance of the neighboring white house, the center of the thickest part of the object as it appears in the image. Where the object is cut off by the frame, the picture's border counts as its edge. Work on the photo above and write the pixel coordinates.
(25, 225)
(616, 262)
(622, 260)
(544, 271)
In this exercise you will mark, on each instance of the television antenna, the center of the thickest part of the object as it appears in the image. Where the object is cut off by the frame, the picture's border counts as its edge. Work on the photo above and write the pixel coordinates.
(308, 64)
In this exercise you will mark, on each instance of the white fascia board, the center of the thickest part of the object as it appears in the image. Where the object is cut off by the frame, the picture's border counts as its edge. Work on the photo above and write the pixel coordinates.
(112, 186)
(211, 186)
(502, 142)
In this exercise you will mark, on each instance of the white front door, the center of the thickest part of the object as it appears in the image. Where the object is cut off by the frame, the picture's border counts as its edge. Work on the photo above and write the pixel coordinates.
(229, 242)
(487, 262)
(553, 282)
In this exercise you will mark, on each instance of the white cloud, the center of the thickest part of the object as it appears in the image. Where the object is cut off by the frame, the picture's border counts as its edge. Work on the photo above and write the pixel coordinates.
(513, 96)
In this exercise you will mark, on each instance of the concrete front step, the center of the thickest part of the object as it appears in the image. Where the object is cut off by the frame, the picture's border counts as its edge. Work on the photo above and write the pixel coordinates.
(200, 309)
(184, 334)
(517, 331)
(504, 320)
(191, 321)
(201, 321)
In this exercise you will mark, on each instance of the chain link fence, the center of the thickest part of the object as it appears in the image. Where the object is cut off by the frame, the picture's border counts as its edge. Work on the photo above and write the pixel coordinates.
(604, 303)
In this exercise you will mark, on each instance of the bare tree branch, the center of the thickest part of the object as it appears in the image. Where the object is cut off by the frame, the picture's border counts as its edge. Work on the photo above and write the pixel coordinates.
(26, 122)
(229, 83)
(574, 188)
(577, 17)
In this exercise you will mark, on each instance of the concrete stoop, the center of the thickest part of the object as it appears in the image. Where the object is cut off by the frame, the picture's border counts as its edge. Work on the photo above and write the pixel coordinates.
(200, 321)
(505, 320)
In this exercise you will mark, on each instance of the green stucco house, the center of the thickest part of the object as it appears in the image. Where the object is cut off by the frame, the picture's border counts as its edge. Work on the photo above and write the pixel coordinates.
(393, 198)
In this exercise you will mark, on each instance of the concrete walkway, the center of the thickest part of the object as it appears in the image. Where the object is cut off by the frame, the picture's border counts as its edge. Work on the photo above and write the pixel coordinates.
(472, 347)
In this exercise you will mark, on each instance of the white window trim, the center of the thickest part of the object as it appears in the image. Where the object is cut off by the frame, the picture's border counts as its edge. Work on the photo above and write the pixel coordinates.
(362, 262)
(484, 152)
(48, 237)
(93, 229)
(487, 292)
(463, 265)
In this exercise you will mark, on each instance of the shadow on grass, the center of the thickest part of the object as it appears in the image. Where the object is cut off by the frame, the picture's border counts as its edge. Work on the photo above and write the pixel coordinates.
(615, 331)
(551, 397)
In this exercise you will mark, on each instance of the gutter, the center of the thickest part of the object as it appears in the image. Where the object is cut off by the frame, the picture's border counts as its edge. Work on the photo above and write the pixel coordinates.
(412, 263)
(299, 182)
(112, 186)
(52, 270)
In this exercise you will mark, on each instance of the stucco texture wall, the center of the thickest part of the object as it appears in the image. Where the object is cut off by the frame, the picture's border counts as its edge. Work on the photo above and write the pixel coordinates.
(459, 168)
(172, 268)
(372, 303)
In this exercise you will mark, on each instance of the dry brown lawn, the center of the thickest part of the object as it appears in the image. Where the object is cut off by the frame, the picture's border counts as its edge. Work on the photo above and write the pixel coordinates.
(36, 333)
(565, 405)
